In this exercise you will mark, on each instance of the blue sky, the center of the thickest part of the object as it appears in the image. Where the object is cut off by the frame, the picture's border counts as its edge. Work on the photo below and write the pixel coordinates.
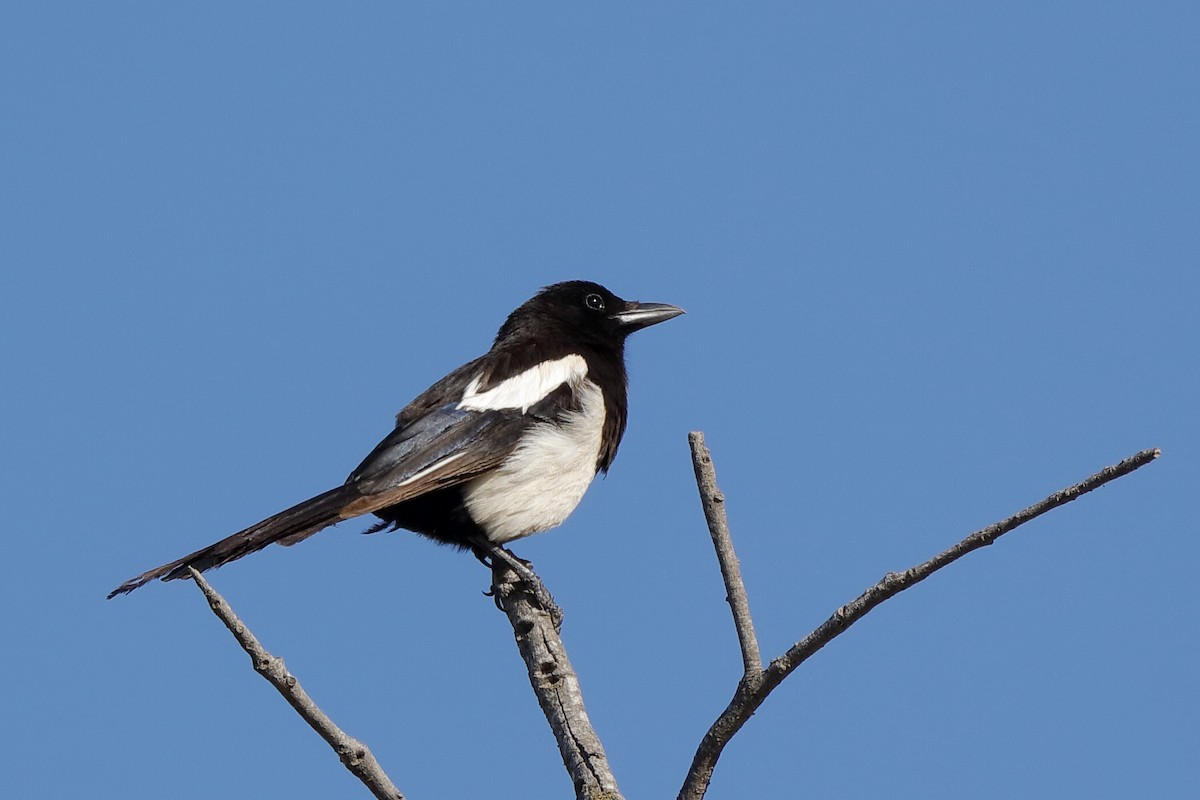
(939, 261)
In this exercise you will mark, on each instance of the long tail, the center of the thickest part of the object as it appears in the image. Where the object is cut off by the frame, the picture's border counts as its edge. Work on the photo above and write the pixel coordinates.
(287, 527)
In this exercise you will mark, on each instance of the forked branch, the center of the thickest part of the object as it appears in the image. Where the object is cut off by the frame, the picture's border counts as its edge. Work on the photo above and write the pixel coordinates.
(750, 694)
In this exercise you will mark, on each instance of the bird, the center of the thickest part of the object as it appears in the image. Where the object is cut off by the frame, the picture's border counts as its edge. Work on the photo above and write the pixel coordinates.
(499, 449)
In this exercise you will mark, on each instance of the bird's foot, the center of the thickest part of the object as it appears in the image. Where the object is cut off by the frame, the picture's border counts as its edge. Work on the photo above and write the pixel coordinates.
(492, 555)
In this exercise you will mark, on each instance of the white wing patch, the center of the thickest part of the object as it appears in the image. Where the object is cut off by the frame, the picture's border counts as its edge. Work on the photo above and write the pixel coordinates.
(528, 388)
(436, 465)
(540, 484)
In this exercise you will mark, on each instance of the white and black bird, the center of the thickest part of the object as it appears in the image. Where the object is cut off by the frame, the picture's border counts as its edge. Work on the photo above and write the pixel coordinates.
(503, 447)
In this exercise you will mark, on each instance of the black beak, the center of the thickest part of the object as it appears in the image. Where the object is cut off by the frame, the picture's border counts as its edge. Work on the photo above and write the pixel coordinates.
(636, 316)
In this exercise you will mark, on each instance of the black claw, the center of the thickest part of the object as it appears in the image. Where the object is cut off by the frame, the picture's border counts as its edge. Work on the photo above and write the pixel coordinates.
(490, 554)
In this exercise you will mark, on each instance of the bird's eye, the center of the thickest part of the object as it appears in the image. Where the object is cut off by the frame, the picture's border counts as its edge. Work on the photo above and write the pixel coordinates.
(594, 301)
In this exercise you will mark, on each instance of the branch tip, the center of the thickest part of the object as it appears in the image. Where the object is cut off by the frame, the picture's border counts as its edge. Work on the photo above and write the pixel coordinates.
(712, 499)
(363, 766)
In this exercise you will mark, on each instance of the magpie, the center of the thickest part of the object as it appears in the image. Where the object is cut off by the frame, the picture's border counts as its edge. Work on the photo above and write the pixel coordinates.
(501, 448)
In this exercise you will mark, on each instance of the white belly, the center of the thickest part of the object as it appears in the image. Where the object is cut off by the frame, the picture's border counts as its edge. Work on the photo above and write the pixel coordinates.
(545, 478)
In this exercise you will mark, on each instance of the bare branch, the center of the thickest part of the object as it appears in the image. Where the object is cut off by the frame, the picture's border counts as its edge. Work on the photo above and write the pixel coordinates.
(353, 753)
(556, 686)
(713, 501)
(748, 698)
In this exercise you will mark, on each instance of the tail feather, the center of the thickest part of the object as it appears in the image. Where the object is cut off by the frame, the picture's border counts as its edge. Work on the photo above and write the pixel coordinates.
(287, 527)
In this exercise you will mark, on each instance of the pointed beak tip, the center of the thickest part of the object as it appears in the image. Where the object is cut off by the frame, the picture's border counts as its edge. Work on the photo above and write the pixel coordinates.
(642, 315)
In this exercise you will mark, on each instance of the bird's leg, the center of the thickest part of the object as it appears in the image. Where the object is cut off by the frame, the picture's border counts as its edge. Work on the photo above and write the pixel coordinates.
(491, 554)
(482, 557)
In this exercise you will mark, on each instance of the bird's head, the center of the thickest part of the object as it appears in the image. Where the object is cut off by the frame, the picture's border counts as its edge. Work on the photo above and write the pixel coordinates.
(585, 311)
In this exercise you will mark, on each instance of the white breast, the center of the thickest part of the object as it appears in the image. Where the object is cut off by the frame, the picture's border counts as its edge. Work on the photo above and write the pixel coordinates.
(545, 478)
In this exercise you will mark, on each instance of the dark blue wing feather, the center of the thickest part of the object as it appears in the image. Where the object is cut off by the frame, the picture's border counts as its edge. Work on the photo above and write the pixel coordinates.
(480, 439)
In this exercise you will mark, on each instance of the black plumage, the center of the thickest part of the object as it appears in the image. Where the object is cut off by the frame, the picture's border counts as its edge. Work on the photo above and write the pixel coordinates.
(502, 447)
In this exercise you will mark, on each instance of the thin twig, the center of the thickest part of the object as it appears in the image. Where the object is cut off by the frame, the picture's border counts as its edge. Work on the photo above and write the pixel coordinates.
(713, 501)
(747, 699)
(353, 753)
(556, 686)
